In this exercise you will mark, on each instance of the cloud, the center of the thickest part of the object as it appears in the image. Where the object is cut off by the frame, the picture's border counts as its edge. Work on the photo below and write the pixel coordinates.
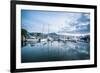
(62, 22)
(80, 24)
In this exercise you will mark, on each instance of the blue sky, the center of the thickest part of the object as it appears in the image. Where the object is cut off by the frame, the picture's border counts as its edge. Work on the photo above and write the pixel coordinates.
(58, 22)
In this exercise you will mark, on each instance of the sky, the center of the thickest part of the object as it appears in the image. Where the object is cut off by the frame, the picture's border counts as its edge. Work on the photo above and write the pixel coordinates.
(55, 22)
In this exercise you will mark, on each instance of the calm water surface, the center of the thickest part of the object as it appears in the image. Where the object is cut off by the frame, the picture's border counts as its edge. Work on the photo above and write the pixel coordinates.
(54, 51)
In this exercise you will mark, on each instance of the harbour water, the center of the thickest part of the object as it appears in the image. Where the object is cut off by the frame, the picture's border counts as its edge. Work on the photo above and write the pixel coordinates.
(54, 51)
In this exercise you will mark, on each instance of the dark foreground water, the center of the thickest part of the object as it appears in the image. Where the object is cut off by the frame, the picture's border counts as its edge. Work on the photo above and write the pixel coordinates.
(54, 51)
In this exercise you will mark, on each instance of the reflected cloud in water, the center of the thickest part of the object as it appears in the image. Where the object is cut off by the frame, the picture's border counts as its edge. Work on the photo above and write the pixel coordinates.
(55, 51)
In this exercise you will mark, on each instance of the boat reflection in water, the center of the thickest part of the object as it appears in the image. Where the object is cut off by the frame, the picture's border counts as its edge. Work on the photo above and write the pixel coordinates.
(42, 51)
